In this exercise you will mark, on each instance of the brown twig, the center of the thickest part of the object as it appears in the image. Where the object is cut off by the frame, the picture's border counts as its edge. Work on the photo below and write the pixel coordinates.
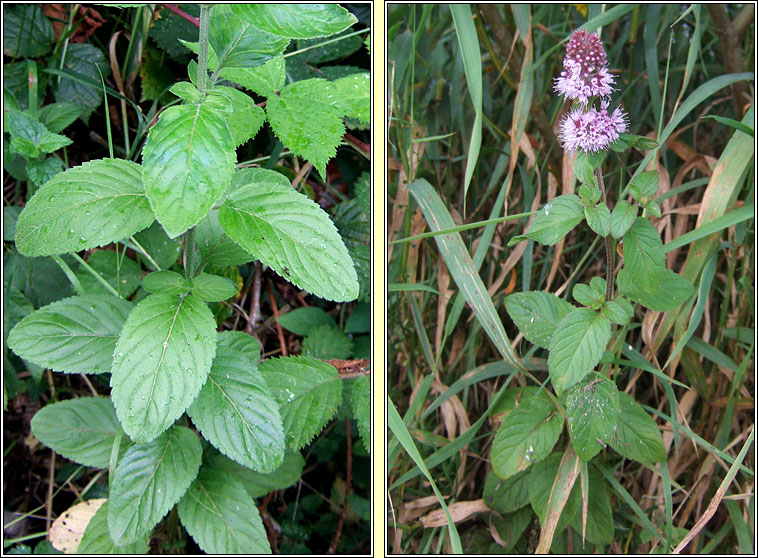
(348, 486)
(182, 14)
(275, 310)
(731, 50)
(255, 300)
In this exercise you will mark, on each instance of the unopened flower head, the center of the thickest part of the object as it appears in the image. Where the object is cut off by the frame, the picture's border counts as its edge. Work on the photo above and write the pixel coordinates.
(585, 74)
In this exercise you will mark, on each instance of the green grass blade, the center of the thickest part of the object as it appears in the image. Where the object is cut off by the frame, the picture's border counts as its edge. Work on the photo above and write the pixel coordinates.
(400, 431)
(725, 221)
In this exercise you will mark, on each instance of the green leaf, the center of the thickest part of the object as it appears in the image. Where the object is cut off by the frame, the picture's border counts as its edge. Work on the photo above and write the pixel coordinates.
(212, 287)
(164, 250)
(362, 409)
(637, 436)
(652, 208)
(592, 295)
(236, 413)
(583, 170)
(30, 137)
(639, 141)
(188, 161)
(526, 436)
(354, 96)
(97, 538)
(40, 171)
(672, 291)
(359, 320)
(241, 343)
(306, 121)
(84, 207)
(553, 221)
(537, 314)
(124, 278)
(619, 311)
(308, 391)
(291, 234)
(576, 347)
(296, 21)
(622, 217)
(216, 248)
(541, 482)
(166, 282)
(599, 218)
(81, 430)
(362, 190)
(592, 408)
(506, 495)
(27, 33)
(302, 321)
(169, 29)
(245, 119)
(644, 186)
(238, 43)
(327, 342)
(73, 335)
(644, 259)
(161, 361)
(319, 53)
(222, 517)
(260, 484)
(83, 60)
(590, 195)
(599, 514)
(149, 479)
(187, 91)
(59, 116)
(265, 80)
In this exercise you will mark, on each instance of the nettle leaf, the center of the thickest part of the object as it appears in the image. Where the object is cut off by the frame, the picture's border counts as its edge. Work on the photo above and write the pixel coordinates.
(83, 60)
(240, 44)
(237, 414)
(81, 430)
(541, 481)
(125, 278)
(59, 116)
(309, 393)
(27, 33)
(553, 221)
(291, 234)
(259, 484)
(644, 259)
(97, 538)
(506, 495)
(576, 347)
(245, 119)
(327, 342)
(622, 217)
(354, 96)
(636, 435)
(589, 195)
(73, 335)
(362, 409)
(215, 247)
(590, 295)
(40, 171)
(296, 21)
(265, 80)
(213, 288)
(592, 408)
(644, 186)
(672, 291)
(306, 120)
(301, 321)
(241, 343)
(160, 362)
(30, 137)
(526, 436)
(149, 479)
(166, 282)
(221, 516)
(537, 314)
(619, 311)
(188, 161)
(599, 218)
(84, 207)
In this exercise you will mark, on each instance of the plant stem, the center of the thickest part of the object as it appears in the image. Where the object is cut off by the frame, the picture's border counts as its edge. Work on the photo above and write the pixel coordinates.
(608, 243)
(202, 47)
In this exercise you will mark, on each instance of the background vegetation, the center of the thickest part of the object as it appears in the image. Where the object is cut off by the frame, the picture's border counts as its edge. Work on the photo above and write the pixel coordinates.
(670, 63)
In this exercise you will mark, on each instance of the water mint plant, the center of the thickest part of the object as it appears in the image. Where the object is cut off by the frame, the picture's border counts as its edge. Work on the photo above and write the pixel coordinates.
(196, 423)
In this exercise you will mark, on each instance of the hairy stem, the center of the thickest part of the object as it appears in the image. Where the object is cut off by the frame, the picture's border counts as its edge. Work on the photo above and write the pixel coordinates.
(608, 243)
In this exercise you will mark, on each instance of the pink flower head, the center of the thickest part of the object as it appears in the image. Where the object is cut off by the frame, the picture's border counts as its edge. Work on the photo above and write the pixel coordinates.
(586, 49)
(585, 74)
(592, 130)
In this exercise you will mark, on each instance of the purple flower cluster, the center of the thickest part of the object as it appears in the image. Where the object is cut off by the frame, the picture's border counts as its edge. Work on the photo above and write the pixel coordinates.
(586, 76)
